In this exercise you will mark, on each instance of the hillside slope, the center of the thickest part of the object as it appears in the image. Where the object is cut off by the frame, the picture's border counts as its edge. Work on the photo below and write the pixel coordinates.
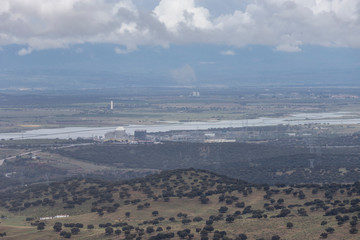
(180, 204)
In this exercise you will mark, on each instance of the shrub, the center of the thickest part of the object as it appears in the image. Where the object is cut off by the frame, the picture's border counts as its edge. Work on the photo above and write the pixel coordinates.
(109, 230)
(75, 230)
(242, 236)
(240, 205)
(289, 225)
(223, 209)
(324, 235)
(275, 237)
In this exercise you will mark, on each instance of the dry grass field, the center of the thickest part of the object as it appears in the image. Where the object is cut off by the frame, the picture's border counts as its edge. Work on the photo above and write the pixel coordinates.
(176, 198)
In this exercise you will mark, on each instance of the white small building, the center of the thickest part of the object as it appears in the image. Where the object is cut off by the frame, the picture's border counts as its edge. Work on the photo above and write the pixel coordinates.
(57, 216)
(61, 216)
(220, 140)
(196, 94)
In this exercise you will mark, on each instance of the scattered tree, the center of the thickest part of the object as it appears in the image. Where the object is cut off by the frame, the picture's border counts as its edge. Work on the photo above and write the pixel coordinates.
(289, 225)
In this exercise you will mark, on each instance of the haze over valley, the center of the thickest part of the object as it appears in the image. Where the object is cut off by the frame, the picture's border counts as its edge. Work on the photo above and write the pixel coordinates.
(179, 119)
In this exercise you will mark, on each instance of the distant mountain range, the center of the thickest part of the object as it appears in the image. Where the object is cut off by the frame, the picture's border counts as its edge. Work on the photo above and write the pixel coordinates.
(98, 66)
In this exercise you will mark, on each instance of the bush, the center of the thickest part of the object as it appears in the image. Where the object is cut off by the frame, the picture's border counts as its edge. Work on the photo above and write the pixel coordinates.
(289, 225)
(230, 219)
(223, 209)
(65, 234)
(75, 230)
(240, 205)
(149, 229)
(275, 237)
(109, 230)
(57, 227)
(324, 235)
(242, 236)
(209, 228)
(79, 225)
(353, 231)
(40, 227)
(185, 221)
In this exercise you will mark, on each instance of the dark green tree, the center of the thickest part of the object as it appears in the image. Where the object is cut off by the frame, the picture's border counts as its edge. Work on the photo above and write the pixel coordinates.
(242, 236)
(109, 230)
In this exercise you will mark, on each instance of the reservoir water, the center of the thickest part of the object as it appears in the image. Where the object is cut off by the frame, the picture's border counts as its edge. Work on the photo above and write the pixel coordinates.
(335, 118)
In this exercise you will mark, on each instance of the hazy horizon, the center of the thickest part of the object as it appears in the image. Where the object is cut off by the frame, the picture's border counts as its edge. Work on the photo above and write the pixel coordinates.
(197, 43)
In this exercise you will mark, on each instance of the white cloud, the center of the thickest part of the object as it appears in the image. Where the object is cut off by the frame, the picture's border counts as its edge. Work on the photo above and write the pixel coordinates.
(125, 5)
(284, 24)
(184, 75)
(125, 50)
(4, 6)
(176, 13)
(227, 53)
(288, 44)
(25, 51)
(288, 48)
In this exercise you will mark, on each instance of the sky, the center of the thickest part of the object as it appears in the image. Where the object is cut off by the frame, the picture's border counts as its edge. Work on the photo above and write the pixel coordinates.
(92, 43)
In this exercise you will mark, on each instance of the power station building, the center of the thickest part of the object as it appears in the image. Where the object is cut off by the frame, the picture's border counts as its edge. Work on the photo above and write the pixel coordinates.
(140, 134)
(118, 134)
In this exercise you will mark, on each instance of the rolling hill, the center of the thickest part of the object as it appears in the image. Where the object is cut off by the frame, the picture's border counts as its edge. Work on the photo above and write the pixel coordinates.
(180, 204)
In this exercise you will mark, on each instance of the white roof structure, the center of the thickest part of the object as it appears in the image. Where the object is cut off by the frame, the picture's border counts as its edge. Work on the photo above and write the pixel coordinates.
(120, 129)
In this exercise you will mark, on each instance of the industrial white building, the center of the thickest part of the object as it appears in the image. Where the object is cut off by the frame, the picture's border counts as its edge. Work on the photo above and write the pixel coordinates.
(118, 134)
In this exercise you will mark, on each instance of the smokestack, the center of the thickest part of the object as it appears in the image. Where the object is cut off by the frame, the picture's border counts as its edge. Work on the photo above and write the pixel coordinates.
(111, 105)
